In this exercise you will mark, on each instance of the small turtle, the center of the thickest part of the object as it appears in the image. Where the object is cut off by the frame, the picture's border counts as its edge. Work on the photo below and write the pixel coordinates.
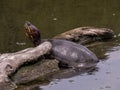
(66, 52)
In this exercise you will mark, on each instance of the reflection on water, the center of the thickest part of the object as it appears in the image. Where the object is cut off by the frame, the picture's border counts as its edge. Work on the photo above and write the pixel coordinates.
(55, 16)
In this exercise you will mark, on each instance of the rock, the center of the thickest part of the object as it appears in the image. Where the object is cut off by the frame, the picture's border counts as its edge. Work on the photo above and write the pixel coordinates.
(38, 71)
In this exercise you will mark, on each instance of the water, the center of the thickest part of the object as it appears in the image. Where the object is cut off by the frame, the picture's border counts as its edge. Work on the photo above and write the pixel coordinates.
(56, 16)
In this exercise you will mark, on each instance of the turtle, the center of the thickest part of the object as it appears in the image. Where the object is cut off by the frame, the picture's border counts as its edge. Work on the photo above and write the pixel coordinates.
(68, 53)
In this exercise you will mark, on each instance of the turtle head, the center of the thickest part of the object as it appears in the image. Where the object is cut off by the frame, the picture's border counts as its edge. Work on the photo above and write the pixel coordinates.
(32, 33)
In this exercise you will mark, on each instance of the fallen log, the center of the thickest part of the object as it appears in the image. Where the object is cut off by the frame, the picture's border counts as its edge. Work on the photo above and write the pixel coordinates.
(85, 35)
(10, 62)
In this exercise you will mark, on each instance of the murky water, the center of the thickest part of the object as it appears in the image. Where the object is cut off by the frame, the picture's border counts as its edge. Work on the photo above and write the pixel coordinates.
(56, 16)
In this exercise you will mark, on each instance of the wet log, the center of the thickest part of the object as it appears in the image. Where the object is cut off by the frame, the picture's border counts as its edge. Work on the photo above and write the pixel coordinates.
(10, 62)
(85, 35)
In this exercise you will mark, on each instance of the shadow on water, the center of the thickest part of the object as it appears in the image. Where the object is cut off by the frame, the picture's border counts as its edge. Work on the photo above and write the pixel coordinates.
(69, 73)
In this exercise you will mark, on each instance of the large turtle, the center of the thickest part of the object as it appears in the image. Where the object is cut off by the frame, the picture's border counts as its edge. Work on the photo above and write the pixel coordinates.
(66, 52)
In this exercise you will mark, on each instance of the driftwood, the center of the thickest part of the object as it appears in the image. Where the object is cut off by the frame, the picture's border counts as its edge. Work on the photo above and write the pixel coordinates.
(10, 62)
(86, 35)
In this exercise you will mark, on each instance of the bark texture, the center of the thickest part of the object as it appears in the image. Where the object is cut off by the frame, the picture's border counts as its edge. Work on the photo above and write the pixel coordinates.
(86, 35)
(10, 62)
